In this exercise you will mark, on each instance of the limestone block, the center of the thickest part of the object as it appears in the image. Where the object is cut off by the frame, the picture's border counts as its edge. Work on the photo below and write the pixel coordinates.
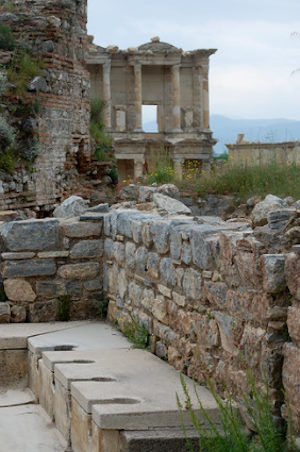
(168, 190)
(136, 227)
(153, 265)
(277, 219)
(53, 254)
(62, 409)
(122, 284)
(291, 380)
(73, 288)
(135, 293)
(141, 257)
(81, 229)
(49, 289)
(175, 243)
(44, 311)
(13, 368)
(159, 310)
(273, 272)
(4, 312)
(30, 235)
(207, 331)
(108, 248)
(129, 192)
(124, 223)
(130, 249)
(226, 326)
(146, 193)
(84, 271)
(192, 284)
(292, 274)
(19, 290)
(18, 314)
(146, 234)
(187, 253)
(91, 286)
(179, 299)
(147, 300)
(17, 256)
(26, 268)
(73, 206)
(160, 231)
(118, 252)
(216, 293)
(171, 205)
(201, 249)
(259, 214)
(164, 290)
(168, 272)
(293, 322)
(106, 225)
(87, 249)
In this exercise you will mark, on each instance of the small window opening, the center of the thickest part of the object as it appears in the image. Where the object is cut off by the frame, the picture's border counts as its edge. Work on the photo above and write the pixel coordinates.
(149, 118)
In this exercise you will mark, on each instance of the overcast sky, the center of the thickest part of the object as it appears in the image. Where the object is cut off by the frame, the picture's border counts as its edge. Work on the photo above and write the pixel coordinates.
(250, 75)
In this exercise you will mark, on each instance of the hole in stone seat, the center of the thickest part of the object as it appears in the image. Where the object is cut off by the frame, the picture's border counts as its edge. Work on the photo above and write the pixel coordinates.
(119, 401)
(103, 379)
(63, 348)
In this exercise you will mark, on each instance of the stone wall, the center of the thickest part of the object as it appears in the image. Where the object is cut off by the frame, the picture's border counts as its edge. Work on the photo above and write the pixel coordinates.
(249, 154)
(211, 297)
(43, 259)
(56, 31)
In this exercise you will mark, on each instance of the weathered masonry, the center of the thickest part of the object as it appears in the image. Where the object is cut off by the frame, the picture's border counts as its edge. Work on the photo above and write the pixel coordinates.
(56, 32)
(161, 75)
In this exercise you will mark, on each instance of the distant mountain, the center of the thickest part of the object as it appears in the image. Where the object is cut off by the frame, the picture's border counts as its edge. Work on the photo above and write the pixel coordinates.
(264, 130)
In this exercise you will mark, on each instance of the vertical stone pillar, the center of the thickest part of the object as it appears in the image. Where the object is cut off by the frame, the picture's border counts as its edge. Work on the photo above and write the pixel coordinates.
(205, 96)
(107, 95)
(178, 164)
(138, 168)
(198, 99)
(138, 96)
(176, 98)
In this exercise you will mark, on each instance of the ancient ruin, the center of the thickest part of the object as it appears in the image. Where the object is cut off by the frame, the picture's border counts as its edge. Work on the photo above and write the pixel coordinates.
(155, 73)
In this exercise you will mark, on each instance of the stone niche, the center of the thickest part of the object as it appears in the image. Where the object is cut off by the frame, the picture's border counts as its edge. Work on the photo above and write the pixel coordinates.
(158, 74)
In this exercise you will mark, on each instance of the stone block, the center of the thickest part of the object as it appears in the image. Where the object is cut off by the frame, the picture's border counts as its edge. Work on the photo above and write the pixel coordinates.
(175, 243)
(164, 290)
(17, 256)
(187, 253)
(18, 314)
(192, 284)
(226, 329)
(146, 234)
(4, 312)
(141, 258)
(168, 272)
(27, 268)
(93, 285)
(147, 300)
(130, 250)
(53, 254)
(273, 272)
(293, 322)
(153, 265)
(108, 248)
(207, 331)
(159, 310)
(87, 249)
(292, 274)
(44, 311)
(291, 380)
(13, 368)
(80, 229)
(84, 271)
(215, 292)
(19, 290)
(118, 252)
(135, 293)
(49, 289)
(160, 232)
(31, 235)
(201, 247)
(277, 219)
(179, 299)
(171, 205)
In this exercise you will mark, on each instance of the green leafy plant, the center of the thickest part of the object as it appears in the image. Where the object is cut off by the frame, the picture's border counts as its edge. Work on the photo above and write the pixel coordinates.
(136, 332)
(103, 150)
(63, 307)
(266, 435)
(163, 171)
(102, 307)
(7, 40)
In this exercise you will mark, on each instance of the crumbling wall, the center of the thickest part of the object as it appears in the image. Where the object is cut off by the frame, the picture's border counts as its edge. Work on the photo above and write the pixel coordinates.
(56, 32)
(44, 259)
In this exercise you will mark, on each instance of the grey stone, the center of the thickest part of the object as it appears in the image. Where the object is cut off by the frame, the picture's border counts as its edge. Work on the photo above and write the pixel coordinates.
(226, 327)
(90, 216)
(170, 205)
(277, 219)
(107, 225)
(161, 350)
(26, 268)
(273, 272)
(38, 84)
(108, 248)
(192, 283)
(71, 207)
(175, 243)
(259, 214)
(77, 229)
(119, 252)
(124, 223)
(93, 285)
(84, 271)
(160, 232)
(135, 293)
(130, 250)
(201, 251)
(48, 289)
(153, 265)
(169, 190)
(17, 256)
(129, 192)
(141, 257)
(187, 253)
(100, 208)
(4, 313)
(87, 249)
(73, 288)
(146, 193)
(167, 271)
(18, 314)
(31, 235)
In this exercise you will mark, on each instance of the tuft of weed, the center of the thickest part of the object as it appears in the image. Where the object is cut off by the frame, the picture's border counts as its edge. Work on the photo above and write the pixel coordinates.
(63, 307)
(137, 333)
(163, 171)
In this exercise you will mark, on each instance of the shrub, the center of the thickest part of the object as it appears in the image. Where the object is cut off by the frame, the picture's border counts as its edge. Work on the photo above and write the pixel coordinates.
(7, 40)
(22, 69)
(63, 307)
(103, 150)
(266, 436)
(163, 168)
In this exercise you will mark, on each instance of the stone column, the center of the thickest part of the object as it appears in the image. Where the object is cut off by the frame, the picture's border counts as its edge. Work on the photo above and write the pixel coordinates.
(205, 96)
(176, 98)
(138, 96)
(107, 96)
(178, 163)
(198, 99)
(138, 168)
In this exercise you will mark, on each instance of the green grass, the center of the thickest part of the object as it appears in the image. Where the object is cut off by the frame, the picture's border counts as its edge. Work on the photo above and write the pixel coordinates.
(137, 333)
(103, 149)
(233, 436)
(163, 172)
(22, 69)
(63, 307)
(244, 182)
